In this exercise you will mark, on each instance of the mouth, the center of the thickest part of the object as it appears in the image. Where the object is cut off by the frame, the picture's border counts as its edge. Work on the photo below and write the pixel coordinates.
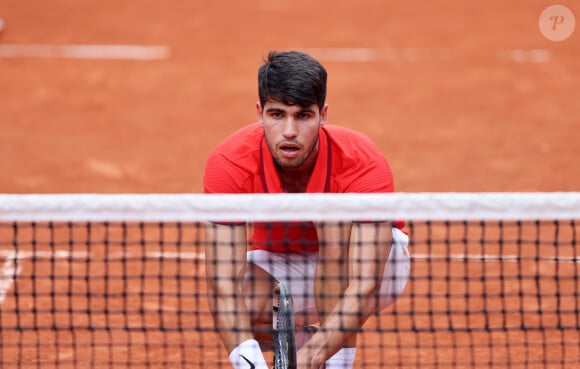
(289, 149)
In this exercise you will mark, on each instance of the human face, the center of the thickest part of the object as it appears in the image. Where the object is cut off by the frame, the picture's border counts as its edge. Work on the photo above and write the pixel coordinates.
(291, 132)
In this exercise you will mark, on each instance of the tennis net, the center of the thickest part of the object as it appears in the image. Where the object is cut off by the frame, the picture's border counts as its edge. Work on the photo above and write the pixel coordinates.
(118, 281)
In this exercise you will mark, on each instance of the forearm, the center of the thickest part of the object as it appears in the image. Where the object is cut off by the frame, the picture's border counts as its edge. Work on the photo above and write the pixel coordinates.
(225, 263)
(331, 283)
(346, 285)
(232, 322)
(342, 323)
(230, 314)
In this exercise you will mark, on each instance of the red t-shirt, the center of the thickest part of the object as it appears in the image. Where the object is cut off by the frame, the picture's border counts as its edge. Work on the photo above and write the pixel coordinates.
(347, 161)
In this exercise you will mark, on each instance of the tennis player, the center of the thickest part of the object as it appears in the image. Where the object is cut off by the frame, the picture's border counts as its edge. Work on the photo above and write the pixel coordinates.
(292, 149)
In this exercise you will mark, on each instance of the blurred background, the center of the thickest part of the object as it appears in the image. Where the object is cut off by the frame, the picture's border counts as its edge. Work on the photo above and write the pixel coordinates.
(130, 96)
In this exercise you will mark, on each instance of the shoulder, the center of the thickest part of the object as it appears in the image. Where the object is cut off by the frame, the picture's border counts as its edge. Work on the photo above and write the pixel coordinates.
(358, 164)
(241, 141)
(350, 144)
(234, 161)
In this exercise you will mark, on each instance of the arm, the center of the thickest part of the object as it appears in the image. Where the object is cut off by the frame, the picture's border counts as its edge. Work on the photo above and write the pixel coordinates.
(225, 261)
(347, 280)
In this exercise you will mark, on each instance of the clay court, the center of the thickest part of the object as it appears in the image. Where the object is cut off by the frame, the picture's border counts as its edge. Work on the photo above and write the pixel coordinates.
(460, 96)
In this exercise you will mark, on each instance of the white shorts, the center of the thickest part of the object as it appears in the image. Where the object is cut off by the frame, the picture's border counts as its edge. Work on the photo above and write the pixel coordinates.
(298, 272)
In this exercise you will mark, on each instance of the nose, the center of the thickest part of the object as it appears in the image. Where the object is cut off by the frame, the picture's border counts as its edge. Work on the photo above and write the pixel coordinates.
(290, 128)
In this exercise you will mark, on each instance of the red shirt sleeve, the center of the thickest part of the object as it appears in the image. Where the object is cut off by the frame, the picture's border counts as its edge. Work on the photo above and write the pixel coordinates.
(360, 166)
(221, 176)
(231, 166)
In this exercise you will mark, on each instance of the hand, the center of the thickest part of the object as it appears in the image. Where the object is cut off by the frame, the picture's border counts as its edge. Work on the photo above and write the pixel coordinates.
(306, 358)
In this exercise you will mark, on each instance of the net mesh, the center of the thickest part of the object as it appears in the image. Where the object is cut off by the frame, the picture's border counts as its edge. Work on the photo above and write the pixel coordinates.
(114, 282)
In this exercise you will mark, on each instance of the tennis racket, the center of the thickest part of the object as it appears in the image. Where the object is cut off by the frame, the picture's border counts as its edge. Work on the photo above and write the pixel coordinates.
(283, 324)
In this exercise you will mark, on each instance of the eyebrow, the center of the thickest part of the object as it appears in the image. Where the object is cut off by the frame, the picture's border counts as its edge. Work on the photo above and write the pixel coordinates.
(280, 110)
(306, 110)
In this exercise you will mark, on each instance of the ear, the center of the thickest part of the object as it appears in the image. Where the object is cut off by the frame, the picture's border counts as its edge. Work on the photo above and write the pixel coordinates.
(323, 115)
(260, 112)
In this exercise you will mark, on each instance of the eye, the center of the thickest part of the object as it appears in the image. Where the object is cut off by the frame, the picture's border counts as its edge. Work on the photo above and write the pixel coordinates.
(276, 114)
(303, 116)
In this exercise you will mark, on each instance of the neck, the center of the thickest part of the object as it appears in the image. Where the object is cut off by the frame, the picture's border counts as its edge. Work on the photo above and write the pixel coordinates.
(295, 180)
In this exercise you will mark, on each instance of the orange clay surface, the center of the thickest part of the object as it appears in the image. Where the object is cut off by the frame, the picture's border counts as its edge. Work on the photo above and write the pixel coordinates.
(459, 96)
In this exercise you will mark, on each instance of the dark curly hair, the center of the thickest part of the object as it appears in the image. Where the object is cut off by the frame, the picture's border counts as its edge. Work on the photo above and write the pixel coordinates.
(292, 78)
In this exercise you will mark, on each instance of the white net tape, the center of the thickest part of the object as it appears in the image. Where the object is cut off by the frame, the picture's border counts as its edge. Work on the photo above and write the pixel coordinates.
(295, 207)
